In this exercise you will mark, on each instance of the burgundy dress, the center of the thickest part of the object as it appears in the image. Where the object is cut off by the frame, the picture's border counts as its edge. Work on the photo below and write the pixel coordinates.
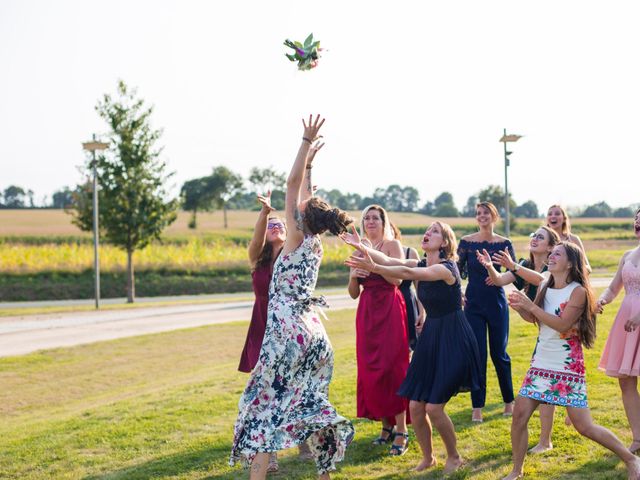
(260, 278)
(382, 349)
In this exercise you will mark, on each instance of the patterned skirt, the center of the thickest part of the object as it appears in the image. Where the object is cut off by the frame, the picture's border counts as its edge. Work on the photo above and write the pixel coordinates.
(555, 388)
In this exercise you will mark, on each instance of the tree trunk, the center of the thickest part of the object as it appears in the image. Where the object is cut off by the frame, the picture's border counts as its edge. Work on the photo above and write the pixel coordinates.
(131, 284)
(224, 207)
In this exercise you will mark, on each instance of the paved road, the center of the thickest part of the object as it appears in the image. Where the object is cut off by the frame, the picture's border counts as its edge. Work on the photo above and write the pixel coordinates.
(25, 334)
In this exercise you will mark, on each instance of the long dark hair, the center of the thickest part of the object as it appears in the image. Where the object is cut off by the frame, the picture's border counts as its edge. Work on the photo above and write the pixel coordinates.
(554, 239)
(577, 273)
(266, 255)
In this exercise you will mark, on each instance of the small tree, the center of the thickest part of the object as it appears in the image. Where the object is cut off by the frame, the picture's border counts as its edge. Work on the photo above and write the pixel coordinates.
(15, 197)
(528, 209)
(195, 197)
(134, 206)
(223, 185)
(600, 209)
(62, 198)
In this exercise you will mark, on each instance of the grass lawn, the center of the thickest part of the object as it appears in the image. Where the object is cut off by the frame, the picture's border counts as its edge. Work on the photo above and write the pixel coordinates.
(163, 406)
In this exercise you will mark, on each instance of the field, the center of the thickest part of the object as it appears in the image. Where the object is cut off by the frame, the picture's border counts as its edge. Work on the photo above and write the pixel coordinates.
(43, 256)
(163, 406)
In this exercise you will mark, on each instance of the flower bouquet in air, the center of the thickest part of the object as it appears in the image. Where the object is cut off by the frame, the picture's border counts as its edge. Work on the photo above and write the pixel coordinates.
(306, 54)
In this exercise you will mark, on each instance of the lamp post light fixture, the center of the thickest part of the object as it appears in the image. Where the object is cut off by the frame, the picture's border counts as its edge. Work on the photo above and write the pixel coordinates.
(506, 139)
(92, 147)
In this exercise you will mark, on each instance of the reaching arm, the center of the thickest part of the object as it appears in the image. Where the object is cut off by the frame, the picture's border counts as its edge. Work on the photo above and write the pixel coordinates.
(353, 239)
(498, 279)
(259, 238)
(295, 232)
(393, 250)
(615, 286)
(429, 274)
(307, 184)
(561, 323)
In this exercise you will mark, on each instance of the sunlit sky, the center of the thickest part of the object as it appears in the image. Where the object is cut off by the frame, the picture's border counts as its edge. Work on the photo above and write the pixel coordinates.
(415, 93)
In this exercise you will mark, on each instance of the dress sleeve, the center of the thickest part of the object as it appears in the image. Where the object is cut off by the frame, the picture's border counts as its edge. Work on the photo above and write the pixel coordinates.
(463, 248)
(511, 250)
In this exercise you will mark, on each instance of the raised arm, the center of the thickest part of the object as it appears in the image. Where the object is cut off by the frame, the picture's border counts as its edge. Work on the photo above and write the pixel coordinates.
(560, 323)
(353, 239)
(307, 190)
(295, 230)
(393, 250)
(504, 259)
(498, 279)
(259, 238)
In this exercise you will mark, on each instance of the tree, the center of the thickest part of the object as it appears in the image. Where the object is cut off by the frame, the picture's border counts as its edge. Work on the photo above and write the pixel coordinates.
(600, 209)
(428, 208)
(14, 197)
(223, 185)
(443, 198)
(397, 199)
(444, 206)
(495, 195)
(623, 212)
(134, 204)
(528, 209)
(469, 209)
(195, 197)
(62, 198)
(266, 179)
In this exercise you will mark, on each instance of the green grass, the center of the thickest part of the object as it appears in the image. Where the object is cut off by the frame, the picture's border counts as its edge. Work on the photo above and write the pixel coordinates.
(163, 406)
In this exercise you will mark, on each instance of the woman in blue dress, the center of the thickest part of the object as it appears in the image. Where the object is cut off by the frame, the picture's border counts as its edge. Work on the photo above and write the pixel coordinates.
(446, 359)
(286, 400)
(486, 306)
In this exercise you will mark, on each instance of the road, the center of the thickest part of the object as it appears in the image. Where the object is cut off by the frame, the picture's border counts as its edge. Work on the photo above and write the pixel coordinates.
(29, 333)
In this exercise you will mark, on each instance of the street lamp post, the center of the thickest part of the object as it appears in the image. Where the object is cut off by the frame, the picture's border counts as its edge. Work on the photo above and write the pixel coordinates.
(92, 147)
(506, 139)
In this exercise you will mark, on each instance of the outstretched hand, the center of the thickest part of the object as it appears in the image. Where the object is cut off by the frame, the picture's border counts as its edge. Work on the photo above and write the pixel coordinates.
(312, 128)
(519, 301)
(364, 262)
(265, 200)
(484, 258)
(503, 258)
(353, 239)
(315, 148)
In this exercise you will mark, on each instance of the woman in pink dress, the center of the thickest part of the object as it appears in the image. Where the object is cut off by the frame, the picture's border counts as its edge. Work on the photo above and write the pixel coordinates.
(621, 355)
(382, 348)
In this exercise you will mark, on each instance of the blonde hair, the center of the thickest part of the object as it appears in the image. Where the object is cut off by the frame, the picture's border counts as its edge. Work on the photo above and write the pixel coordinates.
(566, 224)
(387, 232)
(449, 237)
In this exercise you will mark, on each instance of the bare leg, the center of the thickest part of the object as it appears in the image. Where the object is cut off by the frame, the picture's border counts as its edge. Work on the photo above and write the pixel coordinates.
(324, 476)
(581, 419)
(259, 466)
(422, 429)
(476, 415)
(631, 401)
(401, 427)
(546, 427)
(445, 428)
(522, 412)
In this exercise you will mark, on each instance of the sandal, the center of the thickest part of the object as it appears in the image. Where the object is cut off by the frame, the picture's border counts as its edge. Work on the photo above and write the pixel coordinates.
(383, 440)
(399, 450)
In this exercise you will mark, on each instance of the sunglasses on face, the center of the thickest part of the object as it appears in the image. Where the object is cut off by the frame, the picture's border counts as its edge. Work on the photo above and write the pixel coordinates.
(279, 225)
(537, 236)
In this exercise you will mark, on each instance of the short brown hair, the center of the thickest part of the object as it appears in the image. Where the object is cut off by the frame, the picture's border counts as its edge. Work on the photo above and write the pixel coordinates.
(495, 216)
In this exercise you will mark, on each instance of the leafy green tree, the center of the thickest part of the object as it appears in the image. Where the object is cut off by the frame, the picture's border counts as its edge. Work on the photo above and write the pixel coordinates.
(223, 184)
(134, 206)
(443, 198)
(195, 197)
(623, 212)
(469, 209)
(14, 197)
(495, 195)
(444, 206)
(600, 209)
(528, 209)
(62, 198)
(265, 179)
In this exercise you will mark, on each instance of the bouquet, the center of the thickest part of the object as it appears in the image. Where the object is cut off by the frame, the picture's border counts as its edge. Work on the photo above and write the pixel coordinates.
(307, 54)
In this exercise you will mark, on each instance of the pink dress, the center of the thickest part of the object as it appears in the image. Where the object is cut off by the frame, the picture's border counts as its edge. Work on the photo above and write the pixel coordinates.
(621, 355)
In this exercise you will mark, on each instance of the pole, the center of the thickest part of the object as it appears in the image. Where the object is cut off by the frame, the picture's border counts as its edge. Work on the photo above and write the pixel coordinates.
(96, 258)
(506, 187)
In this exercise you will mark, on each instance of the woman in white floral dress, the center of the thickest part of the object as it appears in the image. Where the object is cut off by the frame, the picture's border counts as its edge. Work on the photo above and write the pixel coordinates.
(564, 310)
(286, 399)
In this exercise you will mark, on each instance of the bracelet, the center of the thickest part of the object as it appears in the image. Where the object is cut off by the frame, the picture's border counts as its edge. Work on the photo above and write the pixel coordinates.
(307, 140)
(309, 167)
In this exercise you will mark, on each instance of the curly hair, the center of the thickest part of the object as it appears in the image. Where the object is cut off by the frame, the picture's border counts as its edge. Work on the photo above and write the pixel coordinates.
(319, 217)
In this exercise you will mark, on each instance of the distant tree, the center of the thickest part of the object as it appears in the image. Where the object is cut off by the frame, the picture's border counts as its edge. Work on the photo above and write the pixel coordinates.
(62, 198)
(446, 210)
(495, 195)
(14, 197)
(469, 209)
(397, 199)
(428, 208)
(332, 196)
(443, 199)
(196, 197)
(623, 212)
(600, 209)
(265, 179)
(134, 206)
(349, 201)
(224, 185)
(528, 209)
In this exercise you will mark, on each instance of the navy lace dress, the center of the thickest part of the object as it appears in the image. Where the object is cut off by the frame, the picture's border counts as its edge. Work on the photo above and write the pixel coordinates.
(446, 359)
(488, 314)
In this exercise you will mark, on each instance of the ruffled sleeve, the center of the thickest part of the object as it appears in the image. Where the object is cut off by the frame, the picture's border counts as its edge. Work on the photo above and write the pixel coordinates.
(463, 250)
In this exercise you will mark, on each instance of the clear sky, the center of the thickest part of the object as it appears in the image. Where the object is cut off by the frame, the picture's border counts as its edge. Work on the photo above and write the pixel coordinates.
(414, 92)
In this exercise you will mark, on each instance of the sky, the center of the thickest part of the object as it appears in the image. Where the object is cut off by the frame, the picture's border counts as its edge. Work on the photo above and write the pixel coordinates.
(414, 92)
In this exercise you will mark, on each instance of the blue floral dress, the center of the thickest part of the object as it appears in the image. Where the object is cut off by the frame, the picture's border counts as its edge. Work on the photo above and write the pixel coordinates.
(286, 400)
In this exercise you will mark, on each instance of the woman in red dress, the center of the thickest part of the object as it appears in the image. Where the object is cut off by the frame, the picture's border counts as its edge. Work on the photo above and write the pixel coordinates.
(382, 349)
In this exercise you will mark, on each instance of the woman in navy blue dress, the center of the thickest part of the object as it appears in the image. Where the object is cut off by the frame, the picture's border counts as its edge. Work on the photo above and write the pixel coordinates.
(446, 358)
(486, 306)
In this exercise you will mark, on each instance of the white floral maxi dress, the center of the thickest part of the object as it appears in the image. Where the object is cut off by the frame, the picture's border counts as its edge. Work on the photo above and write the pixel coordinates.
(557, 374)
(286, 400)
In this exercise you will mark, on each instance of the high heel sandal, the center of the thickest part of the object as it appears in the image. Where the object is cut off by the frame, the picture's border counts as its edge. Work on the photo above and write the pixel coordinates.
(399, 450)
(383, 440)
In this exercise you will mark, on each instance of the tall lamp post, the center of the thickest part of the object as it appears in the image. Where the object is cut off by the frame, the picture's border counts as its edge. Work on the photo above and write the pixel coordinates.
(92, 147)
(506, 139)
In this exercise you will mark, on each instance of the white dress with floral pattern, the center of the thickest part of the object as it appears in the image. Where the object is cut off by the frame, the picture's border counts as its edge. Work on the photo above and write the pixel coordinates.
(286, 400)
(556, 374)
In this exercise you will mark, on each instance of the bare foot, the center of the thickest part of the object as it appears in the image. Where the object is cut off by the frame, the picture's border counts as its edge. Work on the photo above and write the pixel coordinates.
(476, 415)
(513, 476)
(633, 469)
(508, 409)
(452, 464)
(539, 448)
(426, 463)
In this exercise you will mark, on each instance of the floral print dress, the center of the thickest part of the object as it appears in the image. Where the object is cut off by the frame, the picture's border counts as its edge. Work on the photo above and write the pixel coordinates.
(557, 375)
(286, 400)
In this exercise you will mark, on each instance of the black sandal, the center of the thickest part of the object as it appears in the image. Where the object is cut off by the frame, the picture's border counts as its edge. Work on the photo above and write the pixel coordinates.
(383, 440)
(399, 450)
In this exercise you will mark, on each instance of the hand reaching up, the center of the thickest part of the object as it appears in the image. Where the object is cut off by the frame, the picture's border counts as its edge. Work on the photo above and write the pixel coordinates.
(353, 239)
(364, 262)
(503, 258)
(266, 202)
(312, 128)
(484, 258)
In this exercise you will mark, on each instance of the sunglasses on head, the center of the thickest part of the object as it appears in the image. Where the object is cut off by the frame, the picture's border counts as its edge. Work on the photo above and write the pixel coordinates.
(272, 225)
